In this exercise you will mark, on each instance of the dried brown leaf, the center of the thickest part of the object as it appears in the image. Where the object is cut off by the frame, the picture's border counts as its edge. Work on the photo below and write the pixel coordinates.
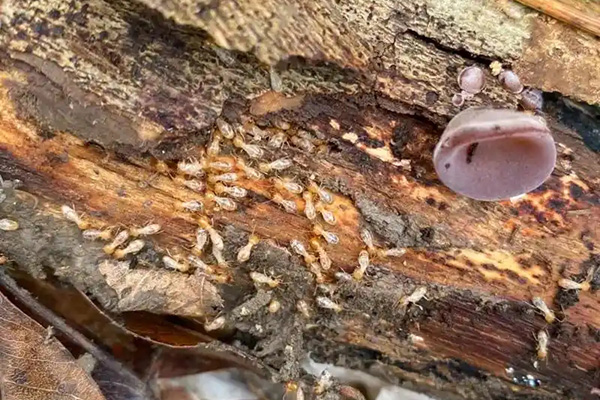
(34, 367)
(161, 291)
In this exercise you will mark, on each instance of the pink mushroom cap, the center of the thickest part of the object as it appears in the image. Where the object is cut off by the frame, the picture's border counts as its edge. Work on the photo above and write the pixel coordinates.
(489, 154)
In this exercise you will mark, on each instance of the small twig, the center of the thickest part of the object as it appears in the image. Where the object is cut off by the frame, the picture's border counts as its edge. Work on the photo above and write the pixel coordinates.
(60, 325)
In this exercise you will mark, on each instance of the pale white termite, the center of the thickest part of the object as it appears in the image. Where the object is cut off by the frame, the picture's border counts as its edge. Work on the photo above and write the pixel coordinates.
(244, 253)
(214, 148)
(8, 225)
(93, 234)
(190, 167)
(263, 279)
(215, 237)
(330, 237)
(277, 165)
(277, 140)
(199, 264)
(303, 307)
(323, 194)
(309, 206)
(289, 205)
(253, 150)
(72, 216)
(220, 165)
(303, 143)
(192, 206)
(367, 239)
(215, 324)
(274, 306)
(327, 303)
(541, 305)
(132, 248)
(323, 256)
(414, 297)
(233, 191)
(315, 268)
(324, 383)
(249, 171)
(584, 286)
(288, 185)
(326, 214)
(193, 184)
(542, 345)
(171, 263)
(225, 129)
(228, 177)
(363, 264)
(117, 241)
(257, 133)
(393, 252)
(223, 202)
(150, 229)
(201, 239)
(299, 249)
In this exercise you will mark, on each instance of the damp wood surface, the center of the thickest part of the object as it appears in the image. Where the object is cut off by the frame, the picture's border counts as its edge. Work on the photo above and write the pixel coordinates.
(100, 101)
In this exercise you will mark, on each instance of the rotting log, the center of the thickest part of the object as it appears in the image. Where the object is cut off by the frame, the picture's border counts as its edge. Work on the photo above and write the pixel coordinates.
(101, 99)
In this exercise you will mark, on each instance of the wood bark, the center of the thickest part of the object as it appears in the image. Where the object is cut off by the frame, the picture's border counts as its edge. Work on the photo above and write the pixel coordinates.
(101, 99)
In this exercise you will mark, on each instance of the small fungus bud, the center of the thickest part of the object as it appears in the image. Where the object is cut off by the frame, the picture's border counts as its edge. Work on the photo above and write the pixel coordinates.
(471, 80)
(458, 99)
(510, 81)
(489, 154)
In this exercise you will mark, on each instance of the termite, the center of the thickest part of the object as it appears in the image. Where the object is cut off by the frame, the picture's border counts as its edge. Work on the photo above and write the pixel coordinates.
(541, 305)
(303, 143)
(174, 264)
(227, 178)
(323, 194)
(315, 268)
(414, 297)
(330, 237)
(263, 279)
(117, 241)
(201, 239)
(214, 148)
(220, 165)
(542, 345)
(299, 249)
(93, 234)
(191, 167)
(253, 151)
(274, 306)
(72, 216)
(363, 264)
(584, 286)
(323, 257)
(147, 230)
(233, 191)
(192, 206)
(225, 129)
(132, 248)
(326, 214)
(303, 307)
(244, 252)
(199, 264)
(327, 303)
(277, 140)
(249, 171)
(193, 184)
(215, 324)
(287, 184)
(257, 133)
(277, 165)
(289, 205)
(8, 225)
(223, 202)
(215, 237)
(393, 252)
(367, 239)
(309, 206)
(324, 382)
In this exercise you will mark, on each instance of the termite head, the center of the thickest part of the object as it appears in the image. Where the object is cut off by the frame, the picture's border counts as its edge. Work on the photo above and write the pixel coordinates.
(491, 155)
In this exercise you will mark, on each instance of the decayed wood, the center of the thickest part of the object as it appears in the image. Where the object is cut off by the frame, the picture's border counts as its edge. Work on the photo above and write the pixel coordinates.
(100, 100)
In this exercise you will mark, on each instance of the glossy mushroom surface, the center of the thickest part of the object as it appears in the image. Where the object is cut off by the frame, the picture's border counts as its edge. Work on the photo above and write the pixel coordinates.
(489, 154)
